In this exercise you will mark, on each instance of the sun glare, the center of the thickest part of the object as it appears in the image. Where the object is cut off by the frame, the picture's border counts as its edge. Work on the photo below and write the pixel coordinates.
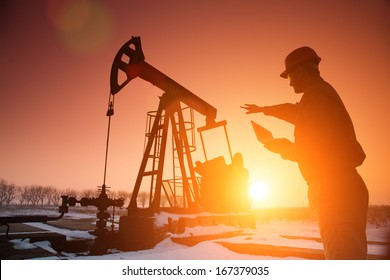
(258, 190)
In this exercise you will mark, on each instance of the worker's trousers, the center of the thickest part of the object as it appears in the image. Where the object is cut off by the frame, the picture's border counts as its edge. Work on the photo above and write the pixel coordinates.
(340, 202)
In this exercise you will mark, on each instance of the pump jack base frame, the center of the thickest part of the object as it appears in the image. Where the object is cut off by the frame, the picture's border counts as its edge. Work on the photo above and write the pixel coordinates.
(141, 232)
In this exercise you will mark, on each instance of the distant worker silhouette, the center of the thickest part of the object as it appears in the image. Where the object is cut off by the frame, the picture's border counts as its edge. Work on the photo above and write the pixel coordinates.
(327, 152)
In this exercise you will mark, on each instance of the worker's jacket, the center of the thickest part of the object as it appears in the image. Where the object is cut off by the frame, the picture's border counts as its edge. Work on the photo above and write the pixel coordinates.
(325, 139)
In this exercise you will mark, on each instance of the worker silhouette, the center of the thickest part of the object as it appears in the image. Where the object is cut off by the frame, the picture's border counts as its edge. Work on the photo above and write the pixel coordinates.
(327, 152)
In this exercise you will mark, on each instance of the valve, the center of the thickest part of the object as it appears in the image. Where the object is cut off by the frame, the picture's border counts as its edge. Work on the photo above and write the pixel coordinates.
(102, 202)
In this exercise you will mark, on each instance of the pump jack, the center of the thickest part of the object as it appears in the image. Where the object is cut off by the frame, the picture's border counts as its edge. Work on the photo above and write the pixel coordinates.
(133, 228)
(169, 115)
(138, 230)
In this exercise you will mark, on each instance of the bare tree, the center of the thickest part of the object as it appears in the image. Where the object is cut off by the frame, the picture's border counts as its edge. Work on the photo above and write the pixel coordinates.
(24, 195)
(143, 198)
(11, 193)
(51, 195)
(3, 187)
(42, 195)
(30, 195)
(56, 198)
(88, 193)
(35, 194)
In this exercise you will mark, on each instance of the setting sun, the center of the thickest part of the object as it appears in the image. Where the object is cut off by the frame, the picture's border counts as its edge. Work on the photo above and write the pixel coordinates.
(258, 190)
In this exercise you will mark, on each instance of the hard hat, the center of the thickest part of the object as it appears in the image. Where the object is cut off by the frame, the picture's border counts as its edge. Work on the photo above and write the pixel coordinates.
(299, 56)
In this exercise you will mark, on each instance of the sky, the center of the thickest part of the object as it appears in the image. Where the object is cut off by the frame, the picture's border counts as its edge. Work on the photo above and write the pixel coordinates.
(56, 58)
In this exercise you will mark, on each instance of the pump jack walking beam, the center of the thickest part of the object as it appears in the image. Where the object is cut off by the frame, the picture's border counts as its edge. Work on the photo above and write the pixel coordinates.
(138, 67)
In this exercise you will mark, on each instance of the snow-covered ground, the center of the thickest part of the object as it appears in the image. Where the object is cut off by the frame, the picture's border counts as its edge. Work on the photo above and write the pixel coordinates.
(209, 257)
(291, 233)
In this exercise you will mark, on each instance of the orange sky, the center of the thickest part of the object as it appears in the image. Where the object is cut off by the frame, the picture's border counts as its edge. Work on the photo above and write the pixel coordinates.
(56, 59)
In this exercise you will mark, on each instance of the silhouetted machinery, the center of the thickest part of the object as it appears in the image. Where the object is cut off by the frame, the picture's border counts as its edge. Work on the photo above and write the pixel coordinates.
(6, 220)
(185, 192)
(130, 60)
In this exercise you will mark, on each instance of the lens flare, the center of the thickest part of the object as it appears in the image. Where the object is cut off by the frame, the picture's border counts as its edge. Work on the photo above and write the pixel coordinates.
(83, 26)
